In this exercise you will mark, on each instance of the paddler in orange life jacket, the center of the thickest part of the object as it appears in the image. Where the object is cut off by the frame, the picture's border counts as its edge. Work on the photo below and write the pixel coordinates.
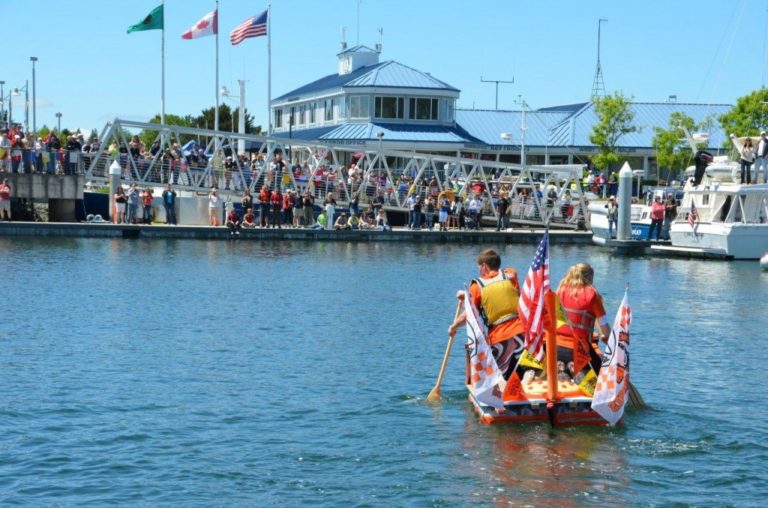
(583, 306)
(495, 294)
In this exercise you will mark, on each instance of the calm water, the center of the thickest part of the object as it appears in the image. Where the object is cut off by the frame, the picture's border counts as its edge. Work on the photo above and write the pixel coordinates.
(244, 373)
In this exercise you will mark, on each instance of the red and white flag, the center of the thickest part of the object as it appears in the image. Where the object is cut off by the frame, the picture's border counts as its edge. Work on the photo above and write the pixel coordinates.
(208, 25)
(613, 382)
(531, 304)
(693, 215)
(485, 375)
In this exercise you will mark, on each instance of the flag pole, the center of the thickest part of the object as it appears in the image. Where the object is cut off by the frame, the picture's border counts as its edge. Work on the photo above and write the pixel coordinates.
(269, 69)
(162, 82)
(216, 112)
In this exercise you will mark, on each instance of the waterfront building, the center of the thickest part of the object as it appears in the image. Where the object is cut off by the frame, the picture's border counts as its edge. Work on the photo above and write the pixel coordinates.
(373, 103)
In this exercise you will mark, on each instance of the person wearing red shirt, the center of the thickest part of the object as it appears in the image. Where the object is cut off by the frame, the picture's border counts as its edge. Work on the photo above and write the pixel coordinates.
(277, 205)
(233, 223)
(5, 200)
(264, 205)
(657, 217)
(583, 307)
(495, 294)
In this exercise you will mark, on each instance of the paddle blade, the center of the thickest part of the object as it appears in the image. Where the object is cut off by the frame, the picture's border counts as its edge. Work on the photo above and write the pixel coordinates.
(434, 395)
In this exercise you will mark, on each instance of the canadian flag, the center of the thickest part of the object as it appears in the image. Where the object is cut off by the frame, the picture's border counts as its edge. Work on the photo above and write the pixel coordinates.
(208, 25)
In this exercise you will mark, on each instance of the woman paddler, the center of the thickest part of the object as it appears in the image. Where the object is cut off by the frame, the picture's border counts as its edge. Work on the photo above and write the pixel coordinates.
(495, 294)
(582, 305)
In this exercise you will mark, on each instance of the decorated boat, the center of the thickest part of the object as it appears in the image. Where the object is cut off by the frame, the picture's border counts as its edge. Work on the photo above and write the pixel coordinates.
(544, 394)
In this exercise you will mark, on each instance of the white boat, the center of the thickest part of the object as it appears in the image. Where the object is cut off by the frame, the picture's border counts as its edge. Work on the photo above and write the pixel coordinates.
(718, 216)
(764, 262)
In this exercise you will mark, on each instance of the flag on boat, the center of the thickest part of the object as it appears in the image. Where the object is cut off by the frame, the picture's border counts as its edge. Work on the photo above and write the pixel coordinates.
(531, 304)
(208, 25)
(153, 21)
(485, 375)
(693, 215)
(613, 382)
(251, 27)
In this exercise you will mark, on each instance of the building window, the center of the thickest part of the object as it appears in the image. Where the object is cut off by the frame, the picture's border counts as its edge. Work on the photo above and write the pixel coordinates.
(390, 107)
(302, 114)
(312, 107)
(357, 106)
(329, 109)
(423, 109)
(278, 118)
(451, 107)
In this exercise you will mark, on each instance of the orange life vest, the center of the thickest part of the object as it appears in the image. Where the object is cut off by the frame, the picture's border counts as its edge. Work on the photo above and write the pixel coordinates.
(578, 308)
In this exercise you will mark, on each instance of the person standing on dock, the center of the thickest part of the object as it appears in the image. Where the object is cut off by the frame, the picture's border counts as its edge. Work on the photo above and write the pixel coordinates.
(5, 200)
(657, 218)
(214, 205)
(613, 215)
(495, 294)
(330, 209)
(265, 198)
(169, 203)
(670, 214)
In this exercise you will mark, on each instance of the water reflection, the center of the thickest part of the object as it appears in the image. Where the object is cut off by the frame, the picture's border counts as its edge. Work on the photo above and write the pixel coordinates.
(535, 465)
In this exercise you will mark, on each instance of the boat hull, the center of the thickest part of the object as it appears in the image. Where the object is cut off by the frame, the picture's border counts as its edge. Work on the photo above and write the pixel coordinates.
(598, 220)
(567, 411)
(733, 241)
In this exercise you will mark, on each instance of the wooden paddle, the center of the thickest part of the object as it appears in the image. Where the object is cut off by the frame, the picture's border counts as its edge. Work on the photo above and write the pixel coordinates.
(434, 395)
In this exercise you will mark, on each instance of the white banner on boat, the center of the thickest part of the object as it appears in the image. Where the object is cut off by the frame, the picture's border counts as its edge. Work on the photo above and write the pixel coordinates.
(613, 382)
(484, 373)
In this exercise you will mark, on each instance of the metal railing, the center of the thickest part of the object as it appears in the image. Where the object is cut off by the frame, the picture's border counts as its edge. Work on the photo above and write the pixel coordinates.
(45, 161)
(196, 159)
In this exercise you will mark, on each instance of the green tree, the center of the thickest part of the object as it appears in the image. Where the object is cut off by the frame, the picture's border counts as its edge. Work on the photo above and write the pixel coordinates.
(228, 119)
(148, 136)
(748, 116)
(672, 150)
(614, 119)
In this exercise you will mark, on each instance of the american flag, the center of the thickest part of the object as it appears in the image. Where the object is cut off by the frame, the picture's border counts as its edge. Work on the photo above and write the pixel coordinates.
(531, 305)
(251, 27)
(693, 215)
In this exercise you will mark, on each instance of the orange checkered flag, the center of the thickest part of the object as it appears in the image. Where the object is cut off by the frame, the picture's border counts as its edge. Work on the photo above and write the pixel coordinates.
(613, 382)
(485, 375)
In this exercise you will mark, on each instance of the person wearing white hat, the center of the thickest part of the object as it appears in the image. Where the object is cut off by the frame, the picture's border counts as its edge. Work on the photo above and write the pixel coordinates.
(762, 158)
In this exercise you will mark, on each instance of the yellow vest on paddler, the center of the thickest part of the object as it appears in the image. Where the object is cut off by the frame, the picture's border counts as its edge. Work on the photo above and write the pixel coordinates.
(498, 299)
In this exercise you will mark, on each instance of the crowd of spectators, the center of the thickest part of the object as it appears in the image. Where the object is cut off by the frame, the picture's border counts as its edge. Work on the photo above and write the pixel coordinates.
(24, 152)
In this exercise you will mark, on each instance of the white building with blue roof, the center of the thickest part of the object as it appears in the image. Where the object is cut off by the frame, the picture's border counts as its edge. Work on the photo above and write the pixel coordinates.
(368, 102)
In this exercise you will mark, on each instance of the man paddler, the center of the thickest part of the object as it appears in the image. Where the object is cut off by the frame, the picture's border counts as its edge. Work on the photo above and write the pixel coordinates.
(583, 307)
(495, 294)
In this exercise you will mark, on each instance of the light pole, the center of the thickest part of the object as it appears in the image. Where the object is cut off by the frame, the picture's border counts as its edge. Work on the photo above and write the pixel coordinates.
(2, 101)
(33, 59)
(17, 93)
(58, 124)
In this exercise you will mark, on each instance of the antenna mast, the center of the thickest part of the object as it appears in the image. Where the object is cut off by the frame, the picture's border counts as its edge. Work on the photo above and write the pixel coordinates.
(497, 81)
(598, 87)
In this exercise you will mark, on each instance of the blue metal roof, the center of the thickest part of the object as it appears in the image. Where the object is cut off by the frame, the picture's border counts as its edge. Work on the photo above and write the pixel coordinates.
(487, 126)
(398, 132)
(381, 75)
(576, 129)
(396, 75)
(571, 125)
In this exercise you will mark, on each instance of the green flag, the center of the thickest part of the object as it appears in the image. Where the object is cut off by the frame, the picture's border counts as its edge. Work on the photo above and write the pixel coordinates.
(153, 21)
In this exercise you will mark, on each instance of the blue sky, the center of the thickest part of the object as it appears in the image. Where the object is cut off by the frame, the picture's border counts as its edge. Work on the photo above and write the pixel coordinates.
(90, 70)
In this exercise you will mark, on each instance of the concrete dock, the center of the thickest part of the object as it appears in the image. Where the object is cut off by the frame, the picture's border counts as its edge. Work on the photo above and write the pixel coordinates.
(108, 230)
